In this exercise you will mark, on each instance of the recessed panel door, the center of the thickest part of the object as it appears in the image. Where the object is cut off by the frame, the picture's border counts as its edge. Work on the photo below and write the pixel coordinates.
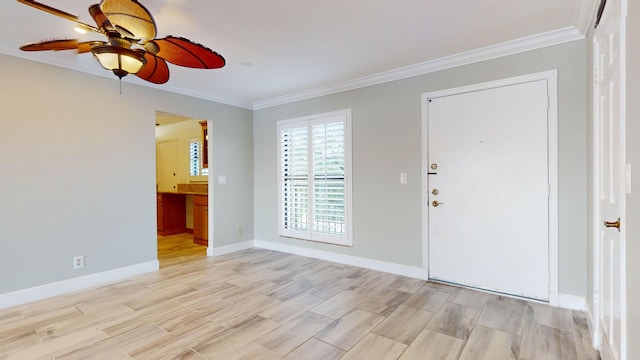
(610, 113)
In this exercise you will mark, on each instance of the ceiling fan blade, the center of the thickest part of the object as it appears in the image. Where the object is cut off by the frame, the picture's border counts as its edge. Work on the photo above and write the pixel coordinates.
(130, 18)
(86, 46)
(59, 13)
(100, 18)
(66, 44)
(155, 70)
(184, 52)
(55, 45)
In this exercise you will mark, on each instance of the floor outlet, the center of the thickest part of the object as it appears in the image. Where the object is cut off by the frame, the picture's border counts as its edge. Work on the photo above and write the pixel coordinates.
(78, 262)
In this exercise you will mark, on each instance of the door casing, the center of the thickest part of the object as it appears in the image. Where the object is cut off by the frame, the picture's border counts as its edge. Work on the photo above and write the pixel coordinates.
(551, 78)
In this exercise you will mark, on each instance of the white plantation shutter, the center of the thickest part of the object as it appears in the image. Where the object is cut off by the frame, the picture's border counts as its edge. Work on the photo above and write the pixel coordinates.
(314, 156)
(328, 178)
(294, 167)
(195, 159)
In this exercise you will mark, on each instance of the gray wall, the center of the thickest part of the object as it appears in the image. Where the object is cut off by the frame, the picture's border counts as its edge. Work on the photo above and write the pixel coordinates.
(386, 122)
(78, 172)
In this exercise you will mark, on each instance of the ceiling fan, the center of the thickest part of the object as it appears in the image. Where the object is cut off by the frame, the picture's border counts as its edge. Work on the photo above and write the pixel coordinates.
(131, 46)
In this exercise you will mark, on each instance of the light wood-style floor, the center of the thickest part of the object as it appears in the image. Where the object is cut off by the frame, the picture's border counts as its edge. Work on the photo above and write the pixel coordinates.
(259, 304)
(179, 248)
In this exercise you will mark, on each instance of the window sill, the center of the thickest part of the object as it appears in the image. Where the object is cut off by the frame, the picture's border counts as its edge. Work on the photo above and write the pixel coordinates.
(346, 243)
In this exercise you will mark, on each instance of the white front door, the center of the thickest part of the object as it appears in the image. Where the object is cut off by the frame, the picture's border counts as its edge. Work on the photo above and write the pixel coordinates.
(610, 177)
(488, 187)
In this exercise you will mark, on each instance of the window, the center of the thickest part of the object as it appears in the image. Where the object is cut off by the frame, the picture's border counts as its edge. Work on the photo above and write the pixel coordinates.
(196, 169)
(314, 178)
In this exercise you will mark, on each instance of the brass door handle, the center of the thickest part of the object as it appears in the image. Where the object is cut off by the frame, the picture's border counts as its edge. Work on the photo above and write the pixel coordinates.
(435, 203)
(615, 224)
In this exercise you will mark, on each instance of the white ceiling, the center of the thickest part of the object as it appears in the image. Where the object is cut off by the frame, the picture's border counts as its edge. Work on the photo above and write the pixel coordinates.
(279, 48)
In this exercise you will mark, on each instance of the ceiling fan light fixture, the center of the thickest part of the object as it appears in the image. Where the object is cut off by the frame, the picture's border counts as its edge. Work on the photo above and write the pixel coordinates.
(121, 61)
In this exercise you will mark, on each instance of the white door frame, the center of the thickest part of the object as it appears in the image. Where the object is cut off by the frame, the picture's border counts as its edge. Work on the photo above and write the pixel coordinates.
(551, 77)
(210, 188)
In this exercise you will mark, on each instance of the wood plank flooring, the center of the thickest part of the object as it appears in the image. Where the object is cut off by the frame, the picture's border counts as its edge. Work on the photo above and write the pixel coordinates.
(175, 249)
(259, 304)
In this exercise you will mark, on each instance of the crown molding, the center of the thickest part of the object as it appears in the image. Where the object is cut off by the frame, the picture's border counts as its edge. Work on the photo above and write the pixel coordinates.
(528, 43)
(53, 59)
(195, 94)
(586, 13)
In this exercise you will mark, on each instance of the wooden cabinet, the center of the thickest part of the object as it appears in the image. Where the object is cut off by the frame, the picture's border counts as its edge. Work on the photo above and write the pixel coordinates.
(201, 219)
(171, 211)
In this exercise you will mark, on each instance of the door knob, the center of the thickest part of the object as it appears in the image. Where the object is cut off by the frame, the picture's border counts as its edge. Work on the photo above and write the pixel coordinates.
(614, 224)
(435, 203)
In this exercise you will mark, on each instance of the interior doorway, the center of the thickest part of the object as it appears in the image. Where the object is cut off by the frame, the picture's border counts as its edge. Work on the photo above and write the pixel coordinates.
(182, 189)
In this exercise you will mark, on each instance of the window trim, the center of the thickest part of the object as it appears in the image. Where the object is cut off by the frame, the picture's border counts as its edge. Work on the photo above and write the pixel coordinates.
(310, 234)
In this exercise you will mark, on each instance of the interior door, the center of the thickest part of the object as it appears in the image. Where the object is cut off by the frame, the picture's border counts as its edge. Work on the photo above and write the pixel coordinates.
(166, 165)
(610, 179)
(489, 189)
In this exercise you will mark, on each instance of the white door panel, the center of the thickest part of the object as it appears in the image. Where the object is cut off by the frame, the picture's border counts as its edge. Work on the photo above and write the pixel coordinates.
(492, 177)
(610, 176)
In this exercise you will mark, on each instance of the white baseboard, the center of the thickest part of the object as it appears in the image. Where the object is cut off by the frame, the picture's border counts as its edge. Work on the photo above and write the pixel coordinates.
(228, 249)
(57, 288)
(572, 302)
(404, 270)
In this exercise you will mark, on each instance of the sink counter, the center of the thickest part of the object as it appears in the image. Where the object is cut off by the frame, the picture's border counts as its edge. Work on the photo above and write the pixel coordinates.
(183, 193)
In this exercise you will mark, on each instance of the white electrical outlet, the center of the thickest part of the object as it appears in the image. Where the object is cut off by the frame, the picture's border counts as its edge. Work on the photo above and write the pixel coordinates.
(78, 262)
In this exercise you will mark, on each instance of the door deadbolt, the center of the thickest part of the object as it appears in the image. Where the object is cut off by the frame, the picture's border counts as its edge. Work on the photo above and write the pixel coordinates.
(435, 203)
(434, 166)
(435, 192)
